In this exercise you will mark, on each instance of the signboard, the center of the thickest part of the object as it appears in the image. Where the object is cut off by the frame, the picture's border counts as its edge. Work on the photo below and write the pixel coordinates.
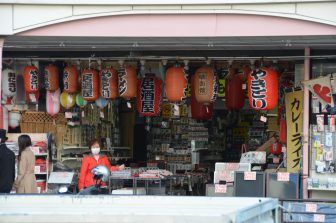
(294, 118)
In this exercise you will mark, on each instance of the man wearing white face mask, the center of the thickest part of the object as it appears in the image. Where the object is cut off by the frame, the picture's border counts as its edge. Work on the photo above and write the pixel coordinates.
(90, 162)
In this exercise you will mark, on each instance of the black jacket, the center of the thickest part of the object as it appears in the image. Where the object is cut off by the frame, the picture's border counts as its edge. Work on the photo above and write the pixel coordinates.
(7, 168)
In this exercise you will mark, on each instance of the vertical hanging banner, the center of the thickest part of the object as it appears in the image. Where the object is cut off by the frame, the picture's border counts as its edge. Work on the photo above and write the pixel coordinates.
(294, 116)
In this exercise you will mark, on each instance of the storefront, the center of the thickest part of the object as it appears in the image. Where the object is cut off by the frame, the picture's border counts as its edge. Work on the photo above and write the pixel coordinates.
(174, 118)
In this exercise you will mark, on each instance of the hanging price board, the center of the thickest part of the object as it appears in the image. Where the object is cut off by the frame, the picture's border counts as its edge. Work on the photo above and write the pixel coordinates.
(311, 207)
(250, 175)
(283, 177)
(220, 188)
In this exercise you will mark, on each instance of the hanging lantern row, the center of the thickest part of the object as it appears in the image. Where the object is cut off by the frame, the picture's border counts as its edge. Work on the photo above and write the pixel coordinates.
(262, 85)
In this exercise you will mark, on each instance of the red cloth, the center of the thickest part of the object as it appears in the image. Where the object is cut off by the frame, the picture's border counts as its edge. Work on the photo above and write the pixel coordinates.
(88, 163)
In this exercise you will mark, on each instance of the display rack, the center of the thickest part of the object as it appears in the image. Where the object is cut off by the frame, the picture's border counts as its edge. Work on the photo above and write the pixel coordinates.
(42, 169)
(322, 163)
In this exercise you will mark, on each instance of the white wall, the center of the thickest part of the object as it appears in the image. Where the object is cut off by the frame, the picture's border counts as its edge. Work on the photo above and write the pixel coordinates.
(18, 16)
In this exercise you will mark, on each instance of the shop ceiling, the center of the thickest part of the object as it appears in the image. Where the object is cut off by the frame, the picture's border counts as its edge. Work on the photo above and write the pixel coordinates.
(35, 46)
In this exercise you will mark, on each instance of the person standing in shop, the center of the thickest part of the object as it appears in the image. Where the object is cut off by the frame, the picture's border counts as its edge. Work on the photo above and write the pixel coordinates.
(7, 165)
(90, 162)
(26, 180)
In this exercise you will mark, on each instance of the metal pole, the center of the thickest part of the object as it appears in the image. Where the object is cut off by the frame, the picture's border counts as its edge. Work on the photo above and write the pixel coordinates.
(2, 40)
(306, 124)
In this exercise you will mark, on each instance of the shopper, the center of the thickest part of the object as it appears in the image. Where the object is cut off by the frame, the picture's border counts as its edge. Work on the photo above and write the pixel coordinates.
(90, 162)
(7, 165)
(26, 180)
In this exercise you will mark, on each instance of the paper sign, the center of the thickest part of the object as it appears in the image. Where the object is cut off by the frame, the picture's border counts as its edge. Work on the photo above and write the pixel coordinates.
(101, 114)
(328, 139)
(283, 176)
(83, 114)
(37, 169)
(276, 160)
(319, 217)
(68, 114)
(250, 175)
(311, 207)
(263, 119)
(35, 149)
(32, 98)
(220, 188)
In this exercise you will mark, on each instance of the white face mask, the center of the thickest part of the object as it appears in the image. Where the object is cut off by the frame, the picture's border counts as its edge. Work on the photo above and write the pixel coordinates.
(95, 150)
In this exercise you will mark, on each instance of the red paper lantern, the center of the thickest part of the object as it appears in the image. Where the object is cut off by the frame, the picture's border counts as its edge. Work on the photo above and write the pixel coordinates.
(31, 83)
(262, 86)
(275, 148)
(205, 85)
(149, 96)
(176, 84)
(109, 83)
(234, 93)
(283, 131)
(127, 80)
(90, 84)
(51, 78)
(31, 79)
(70, 79)
(199, 111)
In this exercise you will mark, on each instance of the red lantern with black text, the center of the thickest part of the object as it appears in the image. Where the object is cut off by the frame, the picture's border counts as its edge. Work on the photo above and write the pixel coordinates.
(205, 85)
(51, 78)
(234, 93)
(262, 86)
(176, 84)
(70, 79)
(199, 111)
(127, 82)
(90, 85)
(31, 83)
(275, 148)
(109, 83)
(283, 131)
(149, 96)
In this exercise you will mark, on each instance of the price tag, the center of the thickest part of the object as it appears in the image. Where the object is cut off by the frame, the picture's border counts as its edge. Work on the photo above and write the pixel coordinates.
(35, 149)
(283, 176)
(220, 188)
(83, 114)
(250, 175)
(37, 169)
(319, 217)
(244, 86)
(311, 207)
(32, 98)
(102, 114)
(176, 110)
(263, 119)
(276, 160)
(68, 114)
